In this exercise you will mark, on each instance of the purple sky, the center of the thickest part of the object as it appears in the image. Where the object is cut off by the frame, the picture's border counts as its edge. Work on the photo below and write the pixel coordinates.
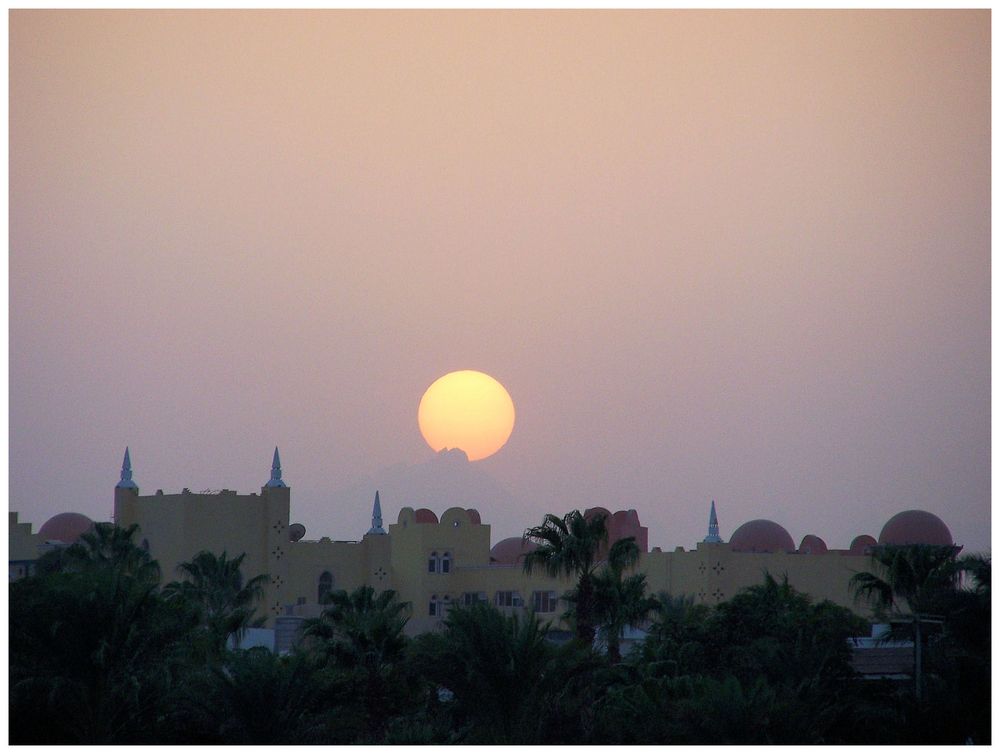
(731, 255)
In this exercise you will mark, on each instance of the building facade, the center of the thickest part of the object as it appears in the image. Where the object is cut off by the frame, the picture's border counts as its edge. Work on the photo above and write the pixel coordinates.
(434, 561)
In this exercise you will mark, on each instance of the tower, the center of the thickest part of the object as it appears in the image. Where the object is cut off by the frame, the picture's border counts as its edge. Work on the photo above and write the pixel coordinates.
(275, 480)
(126, 491)
(276, 497)
(713, 527)
(376, 517)
(126, 482)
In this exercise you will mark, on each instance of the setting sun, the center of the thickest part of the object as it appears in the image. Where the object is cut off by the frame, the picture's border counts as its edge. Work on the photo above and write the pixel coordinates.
(468, 410)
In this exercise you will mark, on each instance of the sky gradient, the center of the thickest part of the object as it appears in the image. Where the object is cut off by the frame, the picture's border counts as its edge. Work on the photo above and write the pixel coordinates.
(729, 255)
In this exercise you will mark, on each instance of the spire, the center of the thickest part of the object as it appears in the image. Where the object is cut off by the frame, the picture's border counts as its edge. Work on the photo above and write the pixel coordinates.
(275, 480)
(126, 483)
(376, 517)
(713, 526)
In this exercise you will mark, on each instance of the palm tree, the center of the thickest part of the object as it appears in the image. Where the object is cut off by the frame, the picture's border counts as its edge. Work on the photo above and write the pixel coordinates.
(620, 601)
(362, 634)
(508, 683)
(92, 657)
(214, 585)
(106, 546)
(569, 546)
(910, 582)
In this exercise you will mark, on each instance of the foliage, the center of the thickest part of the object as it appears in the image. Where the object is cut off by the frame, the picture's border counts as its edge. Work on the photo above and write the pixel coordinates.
(100, 654)
(225, 603)
(569, 546)
(620, 601)
(360, 635)
(92, 654)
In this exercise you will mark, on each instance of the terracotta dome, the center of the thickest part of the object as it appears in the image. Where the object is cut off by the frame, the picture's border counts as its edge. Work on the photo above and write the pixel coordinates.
(510, 551)
(862, 545)
(915, 528)
(761, 535)
(65, 527)
(812, 545)
(425, 516)
(474, 516)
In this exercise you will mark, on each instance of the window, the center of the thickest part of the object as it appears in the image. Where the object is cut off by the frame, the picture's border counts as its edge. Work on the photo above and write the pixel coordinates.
(471, 598)
(432, 563)
(544, 602)
(446, 563)
(325, 586)
(508, 599)
(433, 608)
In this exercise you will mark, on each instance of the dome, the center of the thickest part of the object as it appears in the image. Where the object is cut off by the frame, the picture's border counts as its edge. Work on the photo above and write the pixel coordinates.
(812, 545)
(296, 532)
(474, 516)
(425, 516)
(862, 545)
(761, 535)
(510, 551)
(915, 528)
(65, 527)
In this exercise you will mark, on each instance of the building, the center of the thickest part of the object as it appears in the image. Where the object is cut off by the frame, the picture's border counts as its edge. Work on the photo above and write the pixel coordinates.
(435, 561)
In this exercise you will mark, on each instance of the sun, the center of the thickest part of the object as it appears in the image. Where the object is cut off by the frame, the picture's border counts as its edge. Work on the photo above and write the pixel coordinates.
(468, 410)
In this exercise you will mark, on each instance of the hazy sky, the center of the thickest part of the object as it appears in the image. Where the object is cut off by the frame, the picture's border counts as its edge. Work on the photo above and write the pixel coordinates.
(729, 255)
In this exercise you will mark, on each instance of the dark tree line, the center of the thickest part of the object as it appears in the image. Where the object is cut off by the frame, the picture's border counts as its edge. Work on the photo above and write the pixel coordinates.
(99, 653)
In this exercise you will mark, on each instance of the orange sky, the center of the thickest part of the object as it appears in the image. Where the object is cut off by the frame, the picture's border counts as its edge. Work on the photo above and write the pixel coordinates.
(734, 255)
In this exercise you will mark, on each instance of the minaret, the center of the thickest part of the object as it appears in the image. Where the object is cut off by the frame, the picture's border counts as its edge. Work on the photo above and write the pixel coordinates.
(275, 480)
(376, 517)
(126, 483)
(713, 527)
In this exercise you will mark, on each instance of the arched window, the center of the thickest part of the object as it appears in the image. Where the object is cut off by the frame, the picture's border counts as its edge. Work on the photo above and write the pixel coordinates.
(432, 563)
(446, 563)
(325, 587)
(432, 607)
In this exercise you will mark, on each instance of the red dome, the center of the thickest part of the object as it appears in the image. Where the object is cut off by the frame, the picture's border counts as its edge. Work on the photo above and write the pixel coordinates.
(915, 528)
(862, 545)
(595, 511)
(425, 516)
(65, 527)
(474, 516)
(761, 535)
(812, 545)
(511, 551)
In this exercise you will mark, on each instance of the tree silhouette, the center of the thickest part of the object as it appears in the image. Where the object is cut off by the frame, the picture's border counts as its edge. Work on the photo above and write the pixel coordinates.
(225, 602)
(569, 546)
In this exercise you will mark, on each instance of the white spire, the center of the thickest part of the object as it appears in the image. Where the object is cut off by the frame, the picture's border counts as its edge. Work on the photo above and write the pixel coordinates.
(713, 526)
(126, 483)
(275, 480)
(376, 517)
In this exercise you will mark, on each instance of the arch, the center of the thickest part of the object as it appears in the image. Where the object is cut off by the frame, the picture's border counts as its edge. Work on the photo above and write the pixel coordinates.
(324, 586)
(432, 562)
(446, 563)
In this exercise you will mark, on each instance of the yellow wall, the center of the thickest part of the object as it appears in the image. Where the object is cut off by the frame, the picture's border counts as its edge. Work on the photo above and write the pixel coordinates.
(177, 526)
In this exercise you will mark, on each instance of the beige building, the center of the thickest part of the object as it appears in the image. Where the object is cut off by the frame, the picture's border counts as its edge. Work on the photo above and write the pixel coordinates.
(433, 562)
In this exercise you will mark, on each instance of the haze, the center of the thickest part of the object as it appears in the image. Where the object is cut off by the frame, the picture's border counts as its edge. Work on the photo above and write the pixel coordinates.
(740, 256)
